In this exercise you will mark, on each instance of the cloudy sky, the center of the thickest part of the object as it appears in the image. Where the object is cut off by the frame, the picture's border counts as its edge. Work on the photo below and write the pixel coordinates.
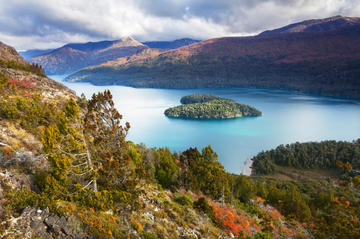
(29, 24)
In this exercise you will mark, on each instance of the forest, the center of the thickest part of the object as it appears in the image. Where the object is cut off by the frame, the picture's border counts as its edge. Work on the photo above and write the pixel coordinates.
(312, 155)
(94, 168)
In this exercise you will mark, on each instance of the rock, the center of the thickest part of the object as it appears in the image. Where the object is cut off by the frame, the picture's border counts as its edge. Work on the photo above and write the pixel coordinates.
(38, 226)
(40, 223)
(51, 220)
(15, 180)
(187, 233)
(110, 212)
(149, 216)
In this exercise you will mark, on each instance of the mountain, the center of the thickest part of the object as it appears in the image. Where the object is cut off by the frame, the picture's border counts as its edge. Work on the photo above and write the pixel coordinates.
(170, 44)
(27, 55)
(325, 62)
(75, 56)
(317, 25)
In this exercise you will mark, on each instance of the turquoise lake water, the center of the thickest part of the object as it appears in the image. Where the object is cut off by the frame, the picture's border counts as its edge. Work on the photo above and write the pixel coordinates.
(287, 118)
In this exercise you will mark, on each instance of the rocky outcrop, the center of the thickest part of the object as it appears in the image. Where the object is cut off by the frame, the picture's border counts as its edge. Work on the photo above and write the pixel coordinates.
(40, 223)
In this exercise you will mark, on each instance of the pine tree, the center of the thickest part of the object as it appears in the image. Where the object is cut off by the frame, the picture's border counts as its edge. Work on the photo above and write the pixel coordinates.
(105, 137)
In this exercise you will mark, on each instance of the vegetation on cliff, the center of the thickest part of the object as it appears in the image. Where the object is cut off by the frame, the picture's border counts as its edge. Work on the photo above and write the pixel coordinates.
(201, 106)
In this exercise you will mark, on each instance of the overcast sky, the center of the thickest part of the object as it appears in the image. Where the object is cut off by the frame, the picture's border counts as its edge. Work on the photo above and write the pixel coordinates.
(29, 24)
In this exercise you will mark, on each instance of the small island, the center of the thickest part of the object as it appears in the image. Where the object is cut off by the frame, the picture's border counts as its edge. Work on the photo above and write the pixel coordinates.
(205, 106)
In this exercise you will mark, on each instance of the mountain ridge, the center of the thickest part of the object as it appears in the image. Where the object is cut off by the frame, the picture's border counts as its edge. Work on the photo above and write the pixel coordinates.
(316, 25)
(59, 61)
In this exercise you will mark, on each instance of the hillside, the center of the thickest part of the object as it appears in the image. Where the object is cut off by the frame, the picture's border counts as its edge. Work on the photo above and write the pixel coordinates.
(75, 56)
(29, 77)
(325, 62)
(68, 171)
(8, 53)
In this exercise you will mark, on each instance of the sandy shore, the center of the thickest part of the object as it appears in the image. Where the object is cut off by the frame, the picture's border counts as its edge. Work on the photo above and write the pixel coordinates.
(247, 167)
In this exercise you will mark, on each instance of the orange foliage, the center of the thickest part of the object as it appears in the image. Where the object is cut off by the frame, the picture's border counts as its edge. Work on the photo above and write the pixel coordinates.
(259, 199)
(233, 221)
(25, 83)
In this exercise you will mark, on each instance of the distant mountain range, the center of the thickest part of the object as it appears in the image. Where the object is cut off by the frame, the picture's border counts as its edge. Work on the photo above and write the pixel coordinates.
(317, 56)
(74, 56)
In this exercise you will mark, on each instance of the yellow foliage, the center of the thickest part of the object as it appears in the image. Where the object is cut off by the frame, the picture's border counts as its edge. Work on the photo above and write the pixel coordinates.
(7, 152)
(138, 227)
(68, 207)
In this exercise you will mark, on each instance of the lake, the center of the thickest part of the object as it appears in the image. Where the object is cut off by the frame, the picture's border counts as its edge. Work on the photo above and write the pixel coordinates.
(287, 118)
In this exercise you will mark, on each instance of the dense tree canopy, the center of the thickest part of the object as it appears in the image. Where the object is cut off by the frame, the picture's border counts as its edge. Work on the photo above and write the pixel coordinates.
(323, 155)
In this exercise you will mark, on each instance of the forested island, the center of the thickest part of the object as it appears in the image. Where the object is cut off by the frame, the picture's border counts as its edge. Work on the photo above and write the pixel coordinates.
(205, 106)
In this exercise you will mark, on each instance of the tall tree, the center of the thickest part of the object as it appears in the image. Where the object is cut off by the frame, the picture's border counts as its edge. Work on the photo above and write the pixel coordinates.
(105, 137)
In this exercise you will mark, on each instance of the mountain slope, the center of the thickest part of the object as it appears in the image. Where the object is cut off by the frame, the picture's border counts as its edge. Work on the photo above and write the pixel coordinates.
(170, 44)
(75, 56)
(317, 25)
(325, 62)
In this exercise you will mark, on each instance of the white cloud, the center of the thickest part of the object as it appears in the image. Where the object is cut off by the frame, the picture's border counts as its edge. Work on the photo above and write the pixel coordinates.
(29, 24)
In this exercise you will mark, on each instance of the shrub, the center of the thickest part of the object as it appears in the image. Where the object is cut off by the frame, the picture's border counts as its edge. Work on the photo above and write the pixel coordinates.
(184, 200)
(202, 205)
